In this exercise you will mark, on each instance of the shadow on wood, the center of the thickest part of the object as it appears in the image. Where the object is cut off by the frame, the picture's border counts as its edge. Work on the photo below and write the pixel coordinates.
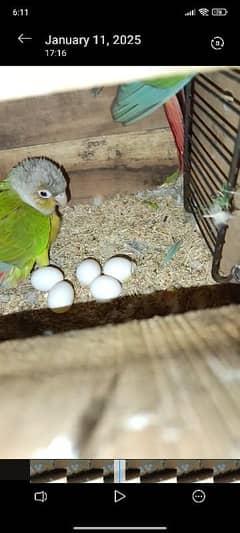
(91, 314)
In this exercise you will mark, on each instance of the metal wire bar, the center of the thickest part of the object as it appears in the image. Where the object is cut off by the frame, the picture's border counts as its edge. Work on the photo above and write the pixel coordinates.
(211, 154)
(204, 226)
(197, 163)
(210, 136)
(213, 118)
(212, 174)
(209, 85)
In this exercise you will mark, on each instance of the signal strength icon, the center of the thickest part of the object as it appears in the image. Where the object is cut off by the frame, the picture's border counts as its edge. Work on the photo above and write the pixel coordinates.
(204, 11)
(190, 13)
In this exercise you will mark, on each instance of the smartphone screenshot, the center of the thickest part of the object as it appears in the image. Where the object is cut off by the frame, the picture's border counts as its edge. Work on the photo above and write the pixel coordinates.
(119, 267)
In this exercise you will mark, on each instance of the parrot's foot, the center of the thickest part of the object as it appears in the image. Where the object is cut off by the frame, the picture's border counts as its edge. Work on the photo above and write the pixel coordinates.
(43, 259)
(6, 281)
(2, 274)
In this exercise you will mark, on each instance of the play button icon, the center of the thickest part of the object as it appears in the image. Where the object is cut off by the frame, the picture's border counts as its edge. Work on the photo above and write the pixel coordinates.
(118, 496)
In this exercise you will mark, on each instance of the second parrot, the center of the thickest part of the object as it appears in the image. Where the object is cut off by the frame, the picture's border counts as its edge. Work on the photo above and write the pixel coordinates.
(137, 100)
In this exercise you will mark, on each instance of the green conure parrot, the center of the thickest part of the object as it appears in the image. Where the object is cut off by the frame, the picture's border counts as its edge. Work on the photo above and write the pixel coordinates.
(137, 100)
(29, 221)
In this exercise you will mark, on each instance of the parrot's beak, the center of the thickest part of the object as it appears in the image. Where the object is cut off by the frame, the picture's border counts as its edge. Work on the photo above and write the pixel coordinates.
(61, 199)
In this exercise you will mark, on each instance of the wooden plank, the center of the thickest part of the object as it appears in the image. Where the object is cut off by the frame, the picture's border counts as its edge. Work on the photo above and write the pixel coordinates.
(231, 249)
(131, 150)
(104, 166)
(92, 185)
(48, 424)
(227, 85)
(65, 117)
(168, 386)
(31, 323)
(41, 80)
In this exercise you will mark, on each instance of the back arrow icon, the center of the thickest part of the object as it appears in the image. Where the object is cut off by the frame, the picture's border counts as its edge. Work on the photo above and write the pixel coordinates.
(118, 496)
(21, 38)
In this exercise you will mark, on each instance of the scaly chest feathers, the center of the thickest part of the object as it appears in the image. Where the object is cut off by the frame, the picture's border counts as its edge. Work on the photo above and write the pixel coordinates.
(25, 233)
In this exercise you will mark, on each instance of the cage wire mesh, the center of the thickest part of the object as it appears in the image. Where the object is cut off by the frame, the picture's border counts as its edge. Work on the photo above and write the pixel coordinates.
(211, 166)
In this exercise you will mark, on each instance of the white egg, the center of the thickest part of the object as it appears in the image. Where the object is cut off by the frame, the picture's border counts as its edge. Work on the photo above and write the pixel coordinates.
(87, 271)
(120, 268)
(105, 288)
(60, 297)
(44, 278)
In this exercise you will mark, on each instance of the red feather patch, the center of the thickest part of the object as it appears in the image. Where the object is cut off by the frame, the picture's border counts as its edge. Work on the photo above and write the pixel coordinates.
(175, 119)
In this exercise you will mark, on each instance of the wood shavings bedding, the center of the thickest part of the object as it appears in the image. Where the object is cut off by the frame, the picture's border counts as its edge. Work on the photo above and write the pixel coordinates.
(143, 226)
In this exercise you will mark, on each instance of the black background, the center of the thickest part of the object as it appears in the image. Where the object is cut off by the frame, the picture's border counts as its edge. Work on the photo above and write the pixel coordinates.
(14, 469)
(169, 37)
(91, 504)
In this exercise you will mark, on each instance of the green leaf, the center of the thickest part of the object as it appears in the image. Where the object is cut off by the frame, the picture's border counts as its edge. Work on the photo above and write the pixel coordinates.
(152, 205)
(172, 251)
(172, 178)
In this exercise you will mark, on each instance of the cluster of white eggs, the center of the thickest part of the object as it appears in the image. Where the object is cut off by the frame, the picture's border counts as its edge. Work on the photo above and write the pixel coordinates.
(51, 280)
(105, 283)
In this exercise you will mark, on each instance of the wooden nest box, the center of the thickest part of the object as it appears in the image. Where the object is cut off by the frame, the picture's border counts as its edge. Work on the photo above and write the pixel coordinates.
(76, 129)
(133, 383)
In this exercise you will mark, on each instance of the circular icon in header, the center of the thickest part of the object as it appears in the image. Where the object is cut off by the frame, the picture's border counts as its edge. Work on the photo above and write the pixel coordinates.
(198, 496)
(217, 43)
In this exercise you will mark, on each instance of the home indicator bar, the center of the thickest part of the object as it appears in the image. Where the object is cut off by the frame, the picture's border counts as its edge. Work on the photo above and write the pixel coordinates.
(120, 528)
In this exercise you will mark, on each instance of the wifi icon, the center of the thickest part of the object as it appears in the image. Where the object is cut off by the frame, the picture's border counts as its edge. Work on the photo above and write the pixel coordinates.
(203, 11)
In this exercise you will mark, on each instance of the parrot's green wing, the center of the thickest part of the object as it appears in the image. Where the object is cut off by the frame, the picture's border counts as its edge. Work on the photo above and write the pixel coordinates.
(137, 100)
(24, 231)
(168, 81)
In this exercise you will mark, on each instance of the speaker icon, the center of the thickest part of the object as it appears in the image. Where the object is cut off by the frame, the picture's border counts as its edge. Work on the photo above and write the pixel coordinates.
(40, 496)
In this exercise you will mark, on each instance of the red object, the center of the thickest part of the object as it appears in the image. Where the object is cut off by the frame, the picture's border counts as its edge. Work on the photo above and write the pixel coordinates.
(174, 114)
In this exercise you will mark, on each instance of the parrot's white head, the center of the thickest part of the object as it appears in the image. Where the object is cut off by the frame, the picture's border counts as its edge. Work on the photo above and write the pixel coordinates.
(40, 183)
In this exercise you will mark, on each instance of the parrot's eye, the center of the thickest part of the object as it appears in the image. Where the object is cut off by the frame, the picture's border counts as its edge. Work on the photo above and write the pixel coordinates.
(44, 193)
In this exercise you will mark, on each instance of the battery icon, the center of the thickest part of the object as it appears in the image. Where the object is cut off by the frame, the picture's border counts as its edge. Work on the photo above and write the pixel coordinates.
(219, 11)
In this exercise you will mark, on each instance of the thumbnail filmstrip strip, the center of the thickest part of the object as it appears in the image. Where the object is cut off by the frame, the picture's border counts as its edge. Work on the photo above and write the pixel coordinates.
(135, 471)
